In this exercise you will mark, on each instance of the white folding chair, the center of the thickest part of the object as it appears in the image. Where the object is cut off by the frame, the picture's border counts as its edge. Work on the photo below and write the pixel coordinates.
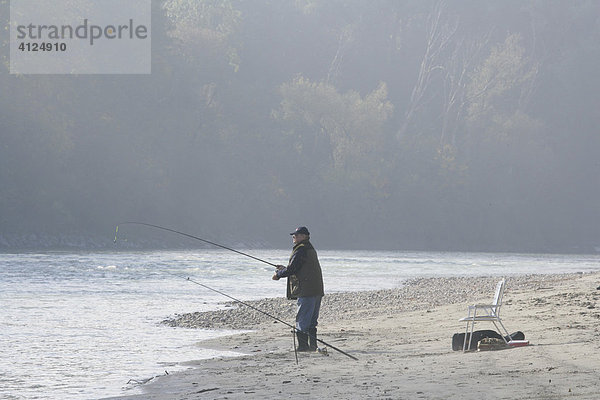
(486, 312)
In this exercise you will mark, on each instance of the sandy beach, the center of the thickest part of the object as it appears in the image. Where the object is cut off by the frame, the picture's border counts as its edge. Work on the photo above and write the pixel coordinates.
(403, 341)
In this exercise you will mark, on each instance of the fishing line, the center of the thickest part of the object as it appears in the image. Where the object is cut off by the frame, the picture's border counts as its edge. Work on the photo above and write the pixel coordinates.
(294, 329)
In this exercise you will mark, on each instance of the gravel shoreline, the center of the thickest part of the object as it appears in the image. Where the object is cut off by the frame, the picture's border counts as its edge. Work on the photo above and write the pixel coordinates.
(415, 294)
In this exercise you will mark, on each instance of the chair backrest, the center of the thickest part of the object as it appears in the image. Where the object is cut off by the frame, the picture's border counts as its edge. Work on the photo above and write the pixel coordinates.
(498, 296)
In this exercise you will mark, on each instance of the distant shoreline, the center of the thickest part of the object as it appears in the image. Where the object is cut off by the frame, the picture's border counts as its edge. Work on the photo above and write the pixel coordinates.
(33, 242)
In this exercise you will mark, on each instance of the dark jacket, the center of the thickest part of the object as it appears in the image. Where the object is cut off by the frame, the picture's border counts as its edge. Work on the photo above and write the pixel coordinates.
(305, 278)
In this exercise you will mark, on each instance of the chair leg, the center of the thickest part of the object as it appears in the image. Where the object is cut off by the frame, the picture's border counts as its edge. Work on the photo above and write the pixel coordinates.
(471, 336)
(505, 331)
(465, 341)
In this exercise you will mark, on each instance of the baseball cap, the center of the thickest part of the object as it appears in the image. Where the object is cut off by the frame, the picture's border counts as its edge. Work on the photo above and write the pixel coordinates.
(301, 230)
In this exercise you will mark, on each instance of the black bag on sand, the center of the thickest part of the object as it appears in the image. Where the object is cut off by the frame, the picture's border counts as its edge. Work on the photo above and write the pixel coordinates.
(458, 339)
(518, 335)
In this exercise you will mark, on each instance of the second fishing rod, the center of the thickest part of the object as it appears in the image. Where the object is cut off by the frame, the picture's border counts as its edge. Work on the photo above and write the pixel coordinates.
(294, 329)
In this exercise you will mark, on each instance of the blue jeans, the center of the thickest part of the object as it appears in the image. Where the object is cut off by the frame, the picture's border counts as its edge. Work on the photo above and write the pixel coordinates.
(308, 312)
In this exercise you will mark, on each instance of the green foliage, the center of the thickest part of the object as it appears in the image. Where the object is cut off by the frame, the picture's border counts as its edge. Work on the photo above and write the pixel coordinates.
(208, 24)
(347, 129)
(502, 81)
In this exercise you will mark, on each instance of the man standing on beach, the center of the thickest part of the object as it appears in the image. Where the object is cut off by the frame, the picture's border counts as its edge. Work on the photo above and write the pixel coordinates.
(305, 283)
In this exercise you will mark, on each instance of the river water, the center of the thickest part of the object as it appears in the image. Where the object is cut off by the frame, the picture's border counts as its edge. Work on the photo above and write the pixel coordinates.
(83, 325)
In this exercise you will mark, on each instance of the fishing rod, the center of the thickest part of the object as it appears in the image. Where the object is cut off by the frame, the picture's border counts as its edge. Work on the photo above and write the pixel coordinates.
(262, 312)
(294, 329)
(190, 236)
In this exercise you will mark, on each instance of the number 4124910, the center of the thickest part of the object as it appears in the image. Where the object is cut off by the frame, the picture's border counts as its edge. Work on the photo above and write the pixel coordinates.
(44, 46)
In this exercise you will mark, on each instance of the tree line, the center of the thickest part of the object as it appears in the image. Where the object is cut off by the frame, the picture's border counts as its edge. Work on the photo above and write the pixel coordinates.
(435, 125)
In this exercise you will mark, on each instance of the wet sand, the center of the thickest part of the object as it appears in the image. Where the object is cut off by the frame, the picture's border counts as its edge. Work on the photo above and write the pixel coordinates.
(403, 341)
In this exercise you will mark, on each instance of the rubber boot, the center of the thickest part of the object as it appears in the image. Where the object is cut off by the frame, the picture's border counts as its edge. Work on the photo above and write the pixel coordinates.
(302, 341)
(312, 338)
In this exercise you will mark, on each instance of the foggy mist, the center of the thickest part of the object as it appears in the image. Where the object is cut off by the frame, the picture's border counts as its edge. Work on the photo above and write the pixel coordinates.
(401, 125)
